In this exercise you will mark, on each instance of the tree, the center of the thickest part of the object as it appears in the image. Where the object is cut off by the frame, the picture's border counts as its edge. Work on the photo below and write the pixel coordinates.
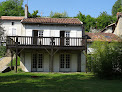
(58, 15)
(106, 61)
(81, 17)
(117, 7)
(88, 21)
(104, 20)
(34, 14)
(11, 8)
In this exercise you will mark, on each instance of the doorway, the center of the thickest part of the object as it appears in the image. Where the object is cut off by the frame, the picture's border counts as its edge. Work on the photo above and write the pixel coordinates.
(35, 35)
(62, 34)
(37, 62)
(65, 62)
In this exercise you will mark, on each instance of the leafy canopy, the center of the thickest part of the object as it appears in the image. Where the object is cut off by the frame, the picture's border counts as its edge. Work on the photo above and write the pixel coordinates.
(104, 19)
(11, 8)
(58, 15)
(117, 7)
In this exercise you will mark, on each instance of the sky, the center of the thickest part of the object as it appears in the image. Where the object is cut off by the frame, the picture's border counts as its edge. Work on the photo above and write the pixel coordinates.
(72, 7)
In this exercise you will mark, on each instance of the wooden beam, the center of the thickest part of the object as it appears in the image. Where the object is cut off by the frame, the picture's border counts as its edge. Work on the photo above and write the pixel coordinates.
(11, 60)
(86, 51)
(16, 52)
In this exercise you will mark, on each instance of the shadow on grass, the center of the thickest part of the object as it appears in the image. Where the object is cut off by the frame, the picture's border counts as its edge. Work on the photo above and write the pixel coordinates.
(33, 82)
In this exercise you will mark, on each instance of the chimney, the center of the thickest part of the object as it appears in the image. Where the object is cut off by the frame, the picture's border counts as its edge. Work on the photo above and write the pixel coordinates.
(26, 11)
(119, 14)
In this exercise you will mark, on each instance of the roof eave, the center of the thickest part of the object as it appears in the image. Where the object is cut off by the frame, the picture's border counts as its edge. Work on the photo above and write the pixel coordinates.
(50, 23)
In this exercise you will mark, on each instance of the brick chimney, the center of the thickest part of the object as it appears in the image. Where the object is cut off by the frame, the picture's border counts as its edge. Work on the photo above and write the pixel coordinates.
(26, 11)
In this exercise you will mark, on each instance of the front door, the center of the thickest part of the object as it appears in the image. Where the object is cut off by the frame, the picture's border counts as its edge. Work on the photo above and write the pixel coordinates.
(35, 35)
(37, 62)
(65, 63)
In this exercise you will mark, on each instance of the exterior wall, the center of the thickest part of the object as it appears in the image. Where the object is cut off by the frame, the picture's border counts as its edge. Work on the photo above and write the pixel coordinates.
(89, 49)
(74, 64)
(7, 24)
(26, 60)
(118, 29)
(108, 30)
(53, 30)
(83, 62)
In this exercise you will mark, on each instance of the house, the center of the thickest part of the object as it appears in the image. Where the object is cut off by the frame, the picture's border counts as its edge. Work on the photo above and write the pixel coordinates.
(103, 37)
(115, 28)
(49, 44)
(12, 25)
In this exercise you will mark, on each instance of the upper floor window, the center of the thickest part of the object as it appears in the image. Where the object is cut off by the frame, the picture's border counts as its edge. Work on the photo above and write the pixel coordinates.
(12, 23)
(40, 34)
(67, 34)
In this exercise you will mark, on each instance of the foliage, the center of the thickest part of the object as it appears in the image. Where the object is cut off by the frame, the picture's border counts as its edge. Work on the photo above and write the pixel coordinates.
(106, 60)
(56, 82)
(81, 17)
(104, 20)
(58, 15)
(117, 7)
(20, 70)
(2, 51)
(88, 21)
(14, 62)
(34, 14)
(11, 8)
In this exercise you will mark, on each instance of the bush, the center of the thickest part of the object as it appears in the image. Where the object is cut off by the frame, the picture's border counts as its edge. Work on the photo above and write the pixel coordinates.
(2, 51)
(107, 59)
(20, 70)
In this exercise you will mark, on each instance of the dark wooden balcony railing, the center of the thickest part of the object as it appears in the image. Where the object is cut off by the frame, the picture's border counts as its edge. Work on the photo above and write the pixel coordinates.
(44, 41)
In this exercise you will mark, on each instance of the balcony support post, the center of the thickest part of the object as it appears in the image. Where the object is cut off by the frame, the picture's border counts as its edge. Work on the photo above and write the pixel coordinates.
(16, 51)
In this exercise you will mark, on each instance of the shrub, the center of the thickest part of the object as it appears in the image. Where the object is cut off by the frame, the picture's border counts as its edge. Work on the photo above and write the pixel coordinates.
(106, 60)
(2, 51)
(20, 70)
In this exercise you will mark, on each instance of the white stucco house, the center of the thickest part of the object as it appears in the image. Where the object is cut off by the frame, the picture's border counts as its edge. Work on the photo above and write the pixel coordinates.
(48, 44)
(115, 28)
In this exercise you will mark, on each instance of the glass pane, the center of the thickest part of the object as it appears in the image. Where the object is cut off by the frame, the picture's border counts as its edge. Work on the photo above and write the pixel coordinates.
(67, 61)
(62, 61)
(40, 59)
(34, 61)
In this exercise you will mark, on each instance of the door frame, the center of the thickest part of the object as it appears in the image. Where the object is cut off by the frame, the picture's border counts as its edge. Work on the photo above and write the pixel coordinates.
(64, 69)
(35, 36)
(36, 70)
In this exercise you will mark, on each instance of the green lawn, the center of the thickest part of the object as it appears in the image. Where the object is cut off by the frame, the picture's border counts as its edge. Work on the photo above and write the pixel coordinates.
(56, 82)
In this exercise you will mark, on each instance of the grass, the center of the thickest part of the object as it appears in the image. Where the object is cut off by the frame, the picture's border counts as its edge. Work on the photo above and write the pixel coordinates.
(56, 82)
(14, 62)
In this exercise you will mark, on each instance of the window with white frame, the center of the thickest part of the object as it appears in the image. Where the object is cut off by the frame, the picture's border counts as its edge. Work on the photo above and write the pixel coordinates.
(40, 34)
(67, 41)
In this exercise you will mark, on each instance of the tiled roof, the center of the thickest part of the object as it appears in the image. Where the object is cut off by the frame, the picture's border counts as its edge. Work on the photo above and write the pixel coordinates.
(11, 18)
(102, 37)
(53, 20)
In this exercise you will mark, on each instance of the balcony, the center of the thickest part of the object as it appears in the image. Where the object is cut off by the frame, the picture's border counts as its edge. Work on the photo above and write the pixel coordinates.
(45, 42)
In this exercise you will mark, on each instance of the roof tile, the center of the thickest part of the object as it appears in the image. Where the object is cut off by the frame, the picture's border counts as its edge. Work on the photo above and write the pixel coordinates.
(52, 20)
(12, 17)
(102, 37)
